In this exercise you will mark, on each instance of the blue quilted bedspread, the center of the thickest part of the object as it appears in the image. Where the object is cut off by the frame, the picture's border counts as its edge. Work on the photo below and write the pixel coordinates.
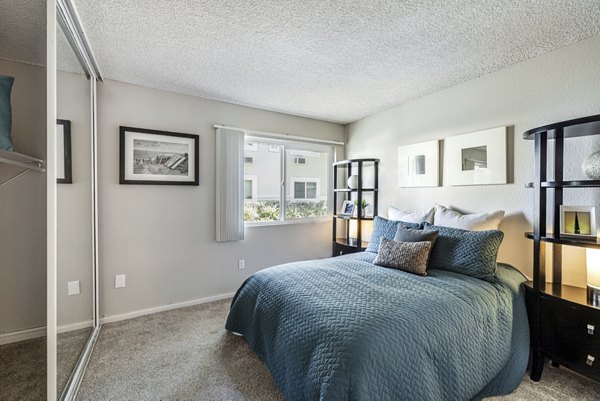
(345, 329)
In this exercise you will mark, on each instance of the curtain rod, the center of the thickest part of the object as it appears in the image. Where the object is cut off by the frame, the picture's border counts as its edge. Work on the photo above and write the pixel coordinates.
(283, 136)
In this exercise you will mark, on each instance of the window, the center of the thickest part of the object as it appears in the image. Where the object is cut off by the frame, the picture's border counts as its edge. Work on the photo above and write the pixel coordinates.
(248, 159)
(305, 189)
(292, 180)
(249, 187)
(250, 146)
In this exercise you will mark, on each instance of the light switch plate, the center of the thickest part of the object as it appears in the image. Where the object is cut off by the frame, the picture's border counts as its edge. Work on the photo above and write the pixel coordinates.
(120, 281)
(241, 264)
(73, 288)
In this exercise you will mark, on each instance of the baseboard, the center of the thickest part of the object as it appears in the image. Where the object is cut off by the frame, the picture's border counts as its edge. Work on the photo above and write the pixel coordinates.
(164, 308)
(74, 326)
(28, 334)
(22, 335)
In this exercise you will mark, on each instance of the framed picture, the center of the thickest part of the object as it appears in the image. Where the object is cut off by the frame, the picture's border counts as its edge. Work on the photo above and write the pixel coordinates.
(578, 221)
(477, 158)
(418, 164)
(157, 157)
(63, 152)
(347, 208)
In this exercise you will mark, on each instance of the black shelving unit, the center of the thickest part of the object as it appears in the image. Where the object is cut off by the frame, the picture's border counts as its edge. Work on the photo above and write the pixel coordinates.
(346, 168)
(565, 324)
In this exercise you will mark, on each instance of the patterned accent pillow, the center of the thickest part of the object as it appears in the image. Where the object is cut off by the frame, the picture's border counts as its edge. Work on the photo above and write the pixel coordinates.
(386, 228)
(472, 253)
(410, 257)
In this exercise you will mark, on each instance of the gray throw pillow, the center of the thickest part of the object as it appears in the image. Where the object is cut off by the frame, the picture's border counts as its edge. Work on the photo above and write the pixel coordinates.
(386, 228)
(472, 253)
(410, 257)
(411, 235)
(6, 84)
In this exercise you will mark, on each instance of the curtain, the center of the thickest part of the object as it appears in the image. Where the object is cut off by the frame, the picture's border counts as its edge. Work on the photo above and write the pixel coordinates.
(230, 184)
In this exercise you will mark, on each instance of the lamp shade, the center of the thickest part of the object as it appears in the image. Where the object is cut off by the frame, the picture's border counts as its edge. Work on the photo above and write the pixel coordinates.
(593, 274)
(353, 232)
(366, 229)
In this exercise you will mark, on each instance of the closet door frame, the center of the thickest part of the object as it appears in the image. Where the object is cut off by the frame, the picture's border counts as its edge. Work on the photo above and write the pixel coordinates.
(63, 14)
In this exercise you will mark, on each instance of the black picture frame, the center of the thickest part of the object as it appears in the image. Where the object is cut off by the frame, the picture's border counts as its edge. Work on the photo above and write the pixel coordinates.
(68, 174)
(150, 135)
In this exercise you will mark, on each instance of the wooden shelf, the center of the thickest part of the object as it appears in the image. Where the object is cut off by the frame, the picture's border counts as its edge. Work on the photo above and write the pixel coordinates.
(557, 239)
(344, 241)
(584, 126)
(343, 163)
(354, 190)
(356, 168)
(567, 292)
(567, 184)
(555, 309)
(337, 216)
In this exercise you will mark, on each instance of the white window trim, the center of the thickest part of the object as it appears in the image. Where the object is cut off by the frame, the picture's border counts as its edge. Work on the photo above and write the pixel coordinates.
(254, 179)
(325, 147)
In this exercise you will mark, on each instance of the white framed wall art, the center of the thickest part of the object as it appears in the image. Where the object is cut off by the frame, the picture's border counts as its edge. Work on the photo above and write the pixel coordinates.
(418, 164)
(476, 158)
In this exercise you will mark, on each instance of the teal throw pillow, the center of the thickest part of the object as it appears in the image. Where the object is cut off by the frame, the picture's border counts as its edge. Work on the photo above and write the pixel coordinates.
(472, 253)
(386, 228)
(6, 84)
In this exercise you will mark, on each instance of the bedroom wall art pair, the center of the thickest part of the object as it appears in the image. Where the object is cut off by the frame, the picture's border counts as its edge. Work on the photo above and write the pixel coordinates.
(476, 158)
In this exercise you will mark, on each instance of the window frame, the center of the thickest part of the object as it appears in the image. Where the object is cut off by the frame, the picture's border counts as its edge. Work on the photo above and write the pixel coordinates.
(283, 196)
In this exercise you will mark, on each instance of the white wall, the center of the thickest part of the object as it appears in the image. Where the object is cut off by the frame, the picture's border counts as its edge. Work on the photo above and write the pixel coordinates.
(163, 237)
(23, 207)
(556, 86)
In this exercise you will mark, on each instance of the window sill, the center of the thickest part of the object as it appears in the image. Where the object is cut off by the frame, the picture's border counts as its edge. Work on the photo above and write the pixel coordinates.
(287, 222)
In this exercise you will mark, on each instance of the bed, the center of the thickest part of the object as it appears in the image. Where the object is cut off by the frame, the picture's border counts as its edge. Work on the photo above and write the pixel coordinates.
(345, 329)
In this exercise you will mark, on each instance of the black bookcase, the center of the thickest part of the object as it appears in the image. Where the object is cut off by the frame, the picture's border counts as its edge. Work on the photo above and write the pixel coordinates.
(565, 324)
(342, 171)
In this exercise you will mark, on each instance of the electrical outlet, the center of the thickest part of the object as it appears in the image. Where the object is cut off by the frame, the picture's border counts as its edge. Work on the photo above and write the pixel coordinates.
(73, 288)
(120, 281)
(241, 264)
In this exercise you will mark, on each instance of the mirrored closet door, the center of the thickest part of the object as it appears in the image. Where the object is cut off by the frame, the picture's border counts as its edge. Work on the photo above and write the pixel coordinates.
(76, 194)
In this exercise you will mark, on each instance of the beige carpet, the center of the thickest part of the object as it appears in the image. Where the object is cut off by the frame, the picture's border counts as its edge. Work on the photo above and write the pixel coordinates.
(186, 354)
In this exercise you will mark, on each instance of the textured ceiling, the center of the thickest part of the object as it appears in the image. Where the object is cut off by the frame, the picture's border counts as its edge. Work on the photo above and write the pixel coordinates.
(23, 30)
(332, 60)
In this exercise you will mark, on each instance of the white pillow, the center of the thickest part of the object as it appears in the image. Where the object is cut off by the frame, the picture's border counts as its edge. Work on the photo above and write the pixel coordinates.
(410, 217)
(474, 222)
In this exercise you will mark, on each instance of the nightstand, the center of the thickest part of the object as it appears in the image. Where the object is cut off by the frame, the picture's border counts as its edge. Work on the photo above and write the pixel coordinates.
(569, 328)
(341, 247)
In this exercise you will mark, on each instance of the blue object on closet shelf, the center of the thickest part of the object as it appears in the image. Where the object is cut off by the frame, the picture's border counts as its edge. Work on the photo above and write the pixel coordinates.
(6, 84)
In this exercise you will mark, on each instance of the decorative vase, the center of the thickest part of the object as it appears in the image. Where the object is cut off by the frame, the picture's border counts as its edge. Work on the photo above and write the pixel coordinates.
(353, 181)
(591, 166)
(6, 84)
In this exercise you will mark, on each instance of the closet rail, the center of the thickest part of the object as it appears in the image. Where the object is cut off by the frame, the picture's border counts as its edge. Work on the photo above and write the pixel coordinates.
(21, 160)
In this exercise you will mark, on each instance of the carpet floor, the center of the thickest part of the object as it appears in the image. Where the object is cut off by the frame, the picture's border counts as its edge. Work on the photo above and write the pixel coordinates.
(186, 354)
(23, 365)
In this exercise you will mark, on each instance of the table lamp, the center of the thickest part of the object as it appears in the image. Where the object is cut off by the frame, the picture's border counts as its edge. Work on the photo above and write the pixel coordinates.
(593, 276)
